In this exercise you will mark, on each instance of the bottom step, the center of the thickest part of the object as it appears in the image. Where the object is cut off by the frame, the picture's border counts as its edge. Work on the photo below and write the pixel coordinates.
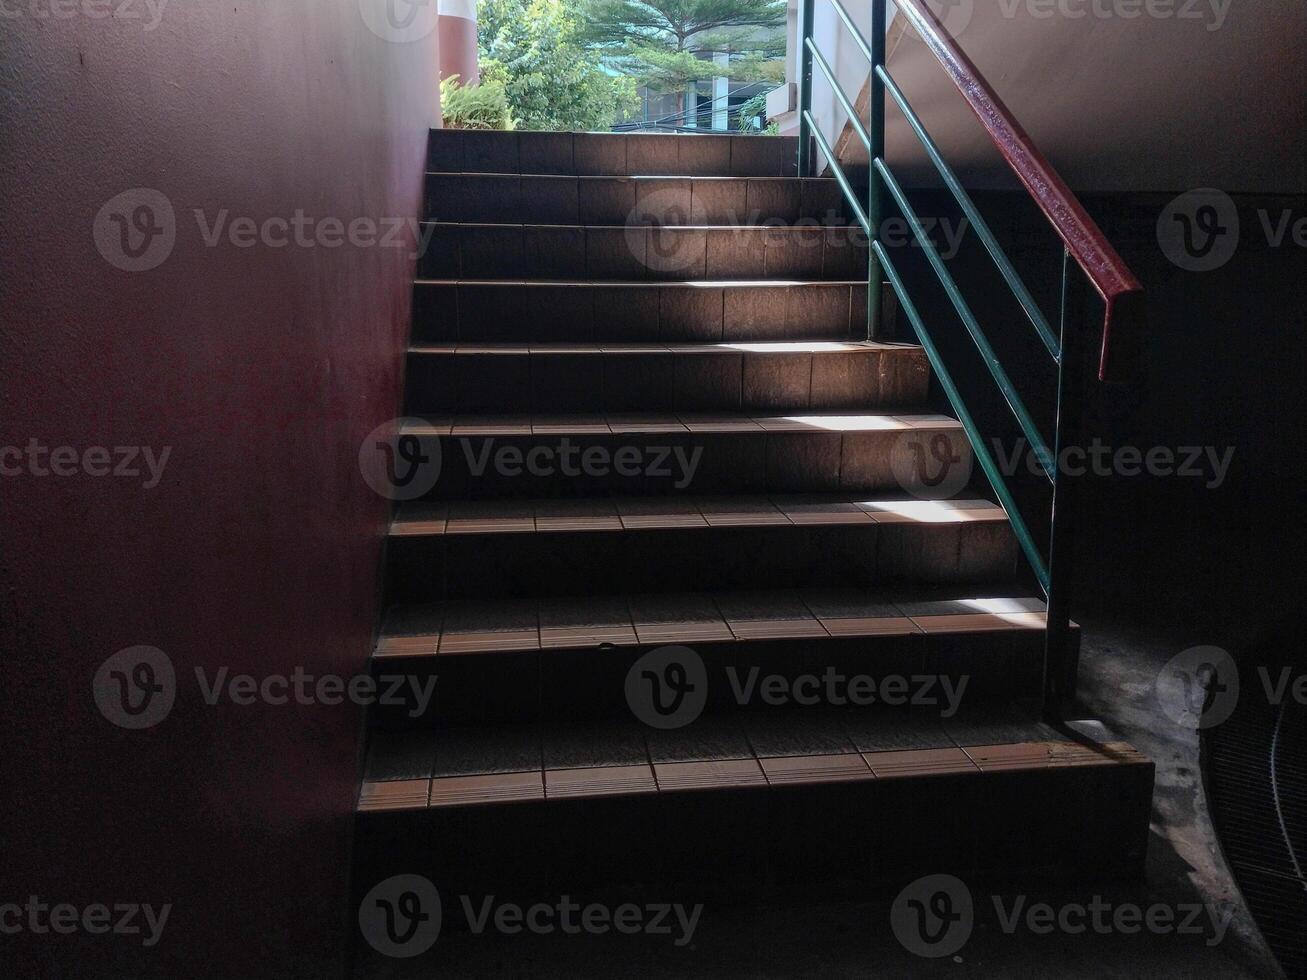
(756, 802)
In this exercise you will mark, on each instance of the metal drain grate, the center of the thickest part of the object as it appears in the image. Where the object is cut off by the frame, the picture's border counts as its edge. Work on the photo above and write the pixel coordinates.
(1256, 770)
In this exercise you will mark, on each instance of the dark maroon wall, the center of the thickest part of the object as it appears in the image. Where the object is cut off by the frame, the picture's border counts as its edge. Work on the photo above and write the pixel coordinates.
(262, 368)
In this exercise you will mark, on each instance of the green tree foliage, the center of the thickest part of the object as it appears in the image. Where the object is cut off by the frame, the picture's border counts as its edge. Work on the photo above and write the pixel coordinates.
(657, 41)
(483, 106)
(536, 50)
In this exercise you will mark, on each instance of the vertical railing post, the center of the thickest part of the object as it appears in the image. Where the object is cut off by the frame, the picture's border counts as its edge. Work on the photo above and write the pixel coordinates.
(805, 87)
(1059, 660)
(875, 185)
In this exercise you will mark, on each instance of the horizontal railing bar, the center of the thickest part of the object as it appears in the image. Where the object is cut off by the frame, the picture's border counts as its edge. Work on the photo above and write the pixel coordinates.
(842, 180)
(1106, 270)
(983, 455)
(987, 354)
(820, 61)
(1014, 281)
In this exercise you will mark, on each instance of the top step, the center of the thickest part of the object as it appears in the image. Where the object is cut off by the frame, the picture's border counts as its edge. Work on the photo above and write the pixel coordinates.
(611, 154)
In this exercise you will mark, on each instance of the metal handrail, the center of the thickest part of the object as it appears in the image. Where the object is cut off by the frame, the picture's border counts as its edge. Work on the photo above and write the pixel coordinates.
(1083, 239)
(1084, 247)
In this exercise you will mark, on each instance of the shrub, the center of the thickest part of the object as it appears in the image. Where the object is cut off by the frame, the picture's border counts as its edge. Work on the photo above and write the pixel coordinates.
(483, 106)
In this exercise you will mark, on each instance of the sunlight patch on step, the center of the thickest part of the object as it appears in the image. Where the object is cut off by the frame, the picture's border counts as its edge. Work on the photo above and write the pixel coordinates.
(1019, 612)
(795, 347)
(749, 283)
(921, 511)
(847, 423)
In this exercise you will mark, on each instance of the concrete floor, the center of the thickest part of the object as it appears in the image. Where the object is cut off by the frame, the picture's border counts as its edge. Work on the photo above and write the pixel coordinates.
(854, 939)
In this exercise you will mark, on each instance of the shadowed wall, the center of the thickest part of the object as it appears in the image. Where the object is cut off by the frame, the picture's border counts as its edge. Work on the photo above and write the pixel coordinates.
(257, 360)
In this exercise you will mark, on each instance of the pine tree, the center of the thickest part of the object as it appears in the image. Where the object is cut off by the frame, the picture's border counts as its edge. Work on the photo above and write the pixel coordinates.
(658, 42)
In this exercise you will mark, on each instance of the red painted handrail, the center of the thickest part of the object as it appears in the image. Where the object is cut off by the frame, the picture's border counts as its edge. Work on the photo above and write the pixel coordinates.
(1084, 240)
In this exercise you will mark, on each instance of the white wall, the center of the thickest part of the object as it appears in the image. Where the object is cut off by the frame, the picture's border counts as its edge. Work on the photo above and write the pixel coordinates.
(1118, 104)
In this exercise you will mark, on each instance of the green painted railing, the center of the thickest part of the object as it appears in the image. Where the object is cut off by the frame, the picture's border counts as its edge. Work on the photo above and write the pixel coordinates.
(1088, 259)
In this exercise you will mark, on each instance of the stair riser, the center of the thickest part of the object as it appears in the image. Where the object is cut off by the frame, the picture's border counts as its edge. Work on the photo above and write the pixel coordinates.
(536, 200)
(728, 381)
(550, 686)
(487, 566)
(559, 252)
(655, 463)
(610, 154)
(526, 312)
(725, 847)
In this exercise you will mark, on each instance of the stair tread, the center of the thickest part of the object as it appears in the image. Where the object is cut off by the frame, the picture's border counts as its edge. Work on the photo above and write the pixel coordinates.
(486, 765)
(436, 518)
(808, 228)
(458, 627)
(645, 283)
(664, 422)
(829, 181)
(724, 347)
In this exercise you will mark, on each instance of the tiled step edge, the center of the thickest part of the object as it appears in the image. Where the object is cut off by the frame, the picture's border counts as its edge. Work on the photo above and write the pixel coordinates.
(767, 773)
(518, 626)
(419, 520)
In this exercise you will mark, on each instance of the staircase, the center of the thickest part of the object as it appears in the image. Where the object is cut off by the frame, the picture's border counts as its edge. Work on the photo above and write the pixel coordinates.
(671, 496)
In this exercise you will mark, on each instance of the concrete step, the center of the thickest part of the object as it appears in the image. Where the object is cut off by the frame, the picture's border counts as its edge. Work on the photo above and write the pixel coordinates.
(572, 656)
(785, 376)
(623, 201)
(611, 154)
(637, 312)
(792, 801)
(470, 549)
(642, 253)
(644, 454)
